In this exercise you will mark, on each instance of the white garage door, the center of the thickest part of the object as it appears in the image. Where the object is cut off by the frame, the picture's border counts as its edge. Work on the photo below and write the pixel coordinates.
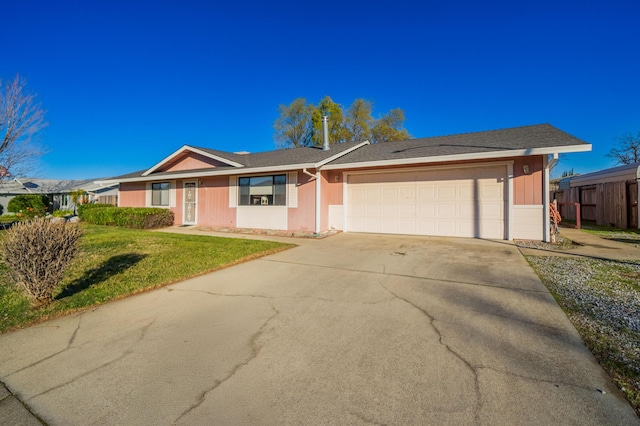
(465, 202)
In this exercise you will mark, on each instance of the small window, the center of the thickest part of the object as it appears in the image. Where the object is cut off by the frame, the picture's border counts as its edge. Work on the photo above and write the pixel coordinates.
(263, 190)
(160, 194)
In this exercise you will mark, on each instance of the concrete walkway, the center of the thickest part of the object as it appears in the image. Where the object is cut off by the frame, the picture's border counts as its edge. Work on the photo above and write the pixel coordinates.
(590, 245)
(351, 329)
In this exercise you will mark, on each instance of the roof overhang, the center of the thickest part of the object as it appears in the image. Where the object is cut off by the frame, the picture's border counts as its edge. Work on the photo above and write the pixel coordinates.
(206, 173)
(462, 157)
(192, 149)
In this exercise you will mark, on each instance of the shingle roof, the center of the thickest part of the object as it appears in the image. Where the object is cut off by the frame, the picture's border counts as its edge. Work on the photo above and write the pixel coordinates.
(516, 138)
(283, 157)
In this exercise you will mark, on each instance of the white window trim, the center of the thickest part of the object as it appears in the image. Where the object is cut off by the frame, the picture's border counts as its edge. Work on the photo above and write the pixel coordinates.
(237, 195)
(148, 202)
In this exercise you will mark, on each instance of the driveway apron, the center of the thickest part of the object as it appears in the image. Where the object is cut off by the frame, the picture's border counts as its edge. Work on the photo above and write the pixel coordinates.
(352, 329)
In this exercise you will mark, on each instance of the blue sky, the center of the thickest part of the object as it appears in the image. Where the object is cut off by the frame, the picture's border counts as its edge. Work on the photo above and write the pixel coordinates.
(126, 83)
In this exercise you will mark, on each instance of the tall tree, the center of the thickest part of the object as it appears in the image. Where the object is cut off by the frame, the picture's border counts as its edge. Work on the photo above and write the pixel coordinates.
(627, 150)
(389, 127)
(337, 132)
(293, 128)
(20, 119)
(359, 121)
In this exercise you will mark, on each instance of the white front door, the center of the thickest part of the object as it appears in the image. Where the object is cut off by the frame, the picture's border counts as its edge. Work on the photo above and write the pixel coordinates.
(190, 199)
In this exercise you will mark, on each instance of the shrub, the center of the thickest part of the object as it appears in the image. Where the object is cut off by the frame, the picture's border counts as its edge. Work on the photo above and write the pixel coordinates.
(81, 208)
(62, 213)
(37, 253)
(29, 206)
(128, 217)
(1, 209)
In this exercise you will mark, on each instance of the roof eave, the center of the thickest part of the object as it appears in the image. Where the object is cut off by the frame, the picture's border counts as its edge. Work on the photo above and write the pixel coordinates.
(213, 172)
(462, 157)
(192, 149)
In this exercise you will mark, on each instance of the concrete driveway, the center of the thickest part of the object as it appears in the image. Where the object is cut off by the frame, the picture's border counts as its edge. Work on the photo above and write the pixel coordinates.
(352, 329)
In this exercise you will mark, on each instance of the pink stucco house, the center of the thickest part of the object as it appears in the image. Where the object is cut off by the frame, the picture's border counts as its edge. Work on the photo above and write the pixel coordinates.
(491, 184)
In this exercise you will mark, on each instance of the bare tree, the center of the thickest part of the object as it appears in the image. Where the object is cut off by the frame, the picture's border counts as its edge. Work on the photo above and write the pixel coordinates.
(20, 119)
(627, 150)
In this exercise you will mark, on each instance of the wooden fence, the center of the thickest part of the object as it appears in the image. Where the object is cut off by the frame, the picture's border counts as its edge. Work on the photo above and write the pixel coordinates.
(108, 199)
(607, 204)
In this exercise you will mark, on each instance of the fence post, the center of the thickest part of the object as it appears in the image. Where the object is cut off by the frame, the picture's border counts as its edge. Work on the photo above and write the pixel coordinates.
(577, 215)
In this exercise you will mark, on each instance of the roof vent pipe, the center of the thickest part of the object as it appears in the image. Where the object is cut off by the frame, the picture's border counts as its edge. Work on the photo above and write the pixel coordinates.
(325, 134)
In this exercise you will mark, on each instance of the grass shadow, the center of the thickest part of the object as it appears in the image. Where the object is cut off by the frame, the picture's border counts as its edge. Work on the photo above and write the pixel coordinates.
(624, 240)
(113, 266)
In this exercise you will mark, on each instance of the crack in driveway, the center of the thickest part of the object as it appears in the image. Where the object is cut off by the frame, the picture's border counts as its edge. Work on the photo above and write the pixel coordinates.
(123, 355)
(255, 351)
(69, 343)
(449, 349)
(261, 296)
(384, 272)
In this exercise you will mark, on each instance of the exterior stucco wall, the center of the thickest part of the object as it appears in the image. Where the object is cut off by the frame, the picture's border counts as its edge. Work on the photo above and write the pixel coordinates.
(213, 203)
(132, 194)
(191, 161)
(527, 188)
(303, 217)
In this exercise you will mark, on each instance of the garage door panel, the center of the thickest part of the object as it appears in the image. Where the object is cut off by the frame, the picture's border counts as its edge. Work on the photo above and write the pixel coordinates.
(446, 210)
(465, 202)
(426, 192)
(492, 210)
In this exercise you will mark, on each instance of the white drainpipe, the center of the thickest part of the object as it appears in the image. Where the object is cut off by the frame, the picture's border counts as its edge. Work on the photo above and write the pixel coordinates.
(545, 197)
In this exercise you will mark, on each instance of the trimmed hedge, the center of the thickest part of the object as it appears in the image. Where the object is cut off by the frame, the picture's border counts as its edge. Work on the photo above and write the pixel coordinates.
(81, 208)
(127, 217)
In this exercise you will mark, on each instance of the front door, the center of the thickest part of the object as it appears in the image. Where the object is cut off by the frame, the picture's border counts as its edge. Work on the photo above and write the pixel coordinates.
(190, 199)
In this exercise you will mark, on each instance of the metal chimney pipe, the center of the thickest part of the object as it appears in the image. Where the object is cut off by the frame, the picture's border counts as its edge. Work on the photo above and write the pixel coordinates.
(325, 134)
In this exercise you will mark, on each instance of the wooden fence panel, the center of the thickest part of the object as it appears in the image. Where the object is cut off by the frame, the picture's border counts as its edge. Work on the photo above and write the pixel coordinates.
(632, 204)
(607, 204)
(588, 201)
(614, 206)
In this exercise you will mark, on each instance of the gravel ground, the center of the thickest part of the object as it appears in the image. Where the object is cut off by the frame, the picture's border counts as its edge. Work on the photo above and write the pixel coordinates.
(602, 299)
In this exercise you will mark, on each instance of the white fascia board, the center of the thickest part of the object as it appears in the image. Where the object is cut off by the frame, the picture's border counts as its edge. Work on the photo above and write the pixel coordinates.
(212, 172)
(461, 157)
(340, 154)
(192, 149)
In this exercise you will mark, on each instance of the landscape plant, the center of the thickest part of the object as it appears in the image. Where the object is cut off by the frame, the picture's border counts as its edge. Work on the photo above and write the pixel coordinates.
(116, 262)
(28, 206)
(62, 213)
(127, 217)
(37, 254)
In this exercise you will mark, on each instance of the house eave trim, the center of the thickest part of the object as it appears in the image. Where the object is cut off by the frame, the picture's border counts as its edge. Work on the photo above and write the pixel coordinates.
(213, 172)
(461, 157)
(192, 149)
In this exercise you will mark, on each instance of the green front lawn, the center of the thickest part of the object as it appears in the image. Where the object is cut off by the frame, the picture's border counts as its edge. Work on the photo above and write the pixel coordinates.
(117, 262)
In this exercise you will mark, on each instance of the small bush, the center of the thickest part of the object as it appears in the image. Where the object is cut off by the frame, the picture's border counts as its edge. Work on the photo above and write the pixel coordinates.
(62, 213)
(128, 217)
(81, 208)
(29, 206)
(8, 218)
(37, 254)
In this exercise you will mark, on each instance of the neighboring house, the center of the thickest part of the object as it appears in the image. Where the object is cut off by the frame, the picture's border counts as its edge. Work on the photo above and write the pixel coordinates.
(492, 184)
(607, 197)
(58, 191)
